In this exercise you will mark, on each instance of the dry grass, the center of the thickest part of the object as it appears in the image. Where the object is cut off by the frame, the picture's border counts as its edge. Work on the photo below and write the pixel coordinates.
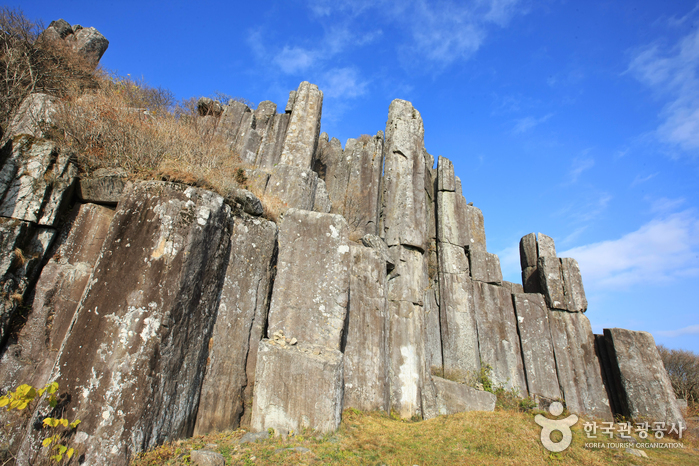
(482, 438)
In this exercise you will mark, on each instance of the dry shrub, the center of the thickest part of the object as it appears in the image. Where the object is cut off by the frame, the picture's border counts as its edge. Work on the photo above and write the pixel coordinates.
(29, 65)
(683, 368)
(273, 207)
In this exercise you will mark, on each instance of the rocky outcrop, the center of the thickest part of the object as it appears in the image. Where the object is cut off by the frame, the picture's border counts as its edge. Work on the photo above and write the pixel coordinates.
(36, 180)
(640, 378)
(104, 186)
(33, 117)
(240, 323)
(87, 42)
(306, 105)
(134, 357)
(455, 397)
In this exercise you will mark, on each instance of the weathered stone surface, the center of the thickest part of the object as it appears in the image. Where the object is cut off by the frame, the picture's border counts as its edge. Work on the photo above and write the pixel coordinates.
(403, 200)
(230, 120)
(578, 367)
(530, 280)
(373, 241)
(297, 387)
(207, 106)
(322, 202)
(452, 224)
(247, 200)
(475, 227)
(57, 294)
(33, 116)
(551, 280)
(452, 259)
(497, 336)
(256, 180)
(546, 246)
(575, 299)
(445, 177)
(104, 186)
(364, 158)
(309, 301)
(647, 393)
(453, 397)
(611, 383)
(22, 249)
(433, 334)
(206, 458)
(35, 180)
(528, 251)
(272, 142)
(240, 323)
(296, 187)
(537, 348)
(366, 350)
(513, 287)
(304, 127)
(134, 359)
(89, 43)
(406, 329)
(484, 266)
(458, 323)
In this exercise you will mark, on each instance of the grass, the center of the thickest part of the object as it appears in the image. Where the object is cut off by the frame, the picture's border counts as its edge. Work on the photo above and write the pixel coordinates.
(502, 437)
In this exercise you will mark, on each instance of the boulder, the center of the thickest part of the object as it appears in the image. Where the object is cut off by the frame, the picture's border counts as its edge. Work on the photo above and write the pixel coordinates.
(89, 43)
(297, 387)
(403, 209)
(36, 180)
(240, 322)
(304, 127)
(365, 350)
(453, 397)
(498, 340)
(206, 458)
(537, 348)
(578, 367)
(104, 186)
(528, 251)
(309, 301)
(646, 391)
(247, 201)
(134, 358)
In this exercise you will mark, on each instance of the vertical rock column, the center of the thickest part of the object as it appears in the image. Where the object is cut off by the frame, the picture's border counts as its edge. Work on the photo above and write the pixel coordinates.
(299, 373)
(134, 356)
(403, 226)
(226, 393)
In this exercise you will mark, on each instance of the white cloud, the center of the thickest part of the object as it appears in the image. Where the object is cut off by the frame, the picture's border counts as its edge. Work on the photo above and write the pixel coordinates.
(664, 205)
(672, 73)
(690, 330)
(343, 82)
(662, 250)
(294, 60)
(523, 125)
(580, 164)
(642, 179)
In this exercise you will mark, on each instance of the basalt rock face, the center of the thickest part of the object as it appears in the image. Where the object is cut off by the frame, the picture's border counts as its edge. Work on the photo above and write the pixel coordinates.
(177, 314)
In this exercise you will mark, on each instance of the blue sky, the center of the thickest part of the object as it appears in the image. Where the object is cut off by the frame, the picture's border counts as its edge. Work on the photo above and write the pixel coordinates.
(579, 120)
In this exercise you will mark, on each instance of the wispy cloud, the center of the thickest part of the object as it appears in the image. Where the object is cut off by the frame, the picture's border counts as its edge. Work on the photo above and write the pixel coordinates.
(664, 205)
(523, 125)
(690, 330)
(585, 209)
(343, 82)
(295, 60)
(663, 250)
(672, 73)
(642, 179)
(580, 164)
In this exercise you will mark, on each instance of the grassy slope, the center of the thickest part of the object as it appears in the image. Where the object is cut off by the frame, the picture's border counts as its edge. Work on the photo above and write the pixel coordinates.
(497, 438)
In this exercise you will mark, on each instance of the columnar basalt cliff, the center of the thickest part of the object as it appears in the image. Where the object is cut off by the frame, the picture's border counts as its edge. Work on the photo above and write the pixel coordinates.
(179, 312)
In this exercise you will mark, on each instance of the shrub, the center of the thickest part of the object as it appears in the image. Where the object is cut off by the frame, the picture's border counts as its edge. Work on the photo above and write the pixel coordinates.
(683, 369)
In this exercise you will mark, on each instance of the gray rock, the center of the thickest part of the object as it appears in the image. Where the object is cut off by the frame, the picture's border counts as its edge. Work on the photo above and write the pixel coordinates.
(256, 180)
(445, 177)
(452, 225)
(513, 287)
(33, 117)
(322, 202)
(528, 251)
(22, 249)
(497, 336)
(240, 322)
(89, 43)
(484, 266)
(452, 259)
(272, 141)
(57, 294)
(458, 324)
(36, 181)
(578, 367)
(530, 280)
(373, 241)
(403, 208)
(104, 186)
(365, 350)
(475, 227)
(309, 301)
(433, 335)
(551, 280)
(681, 405)
(247, 200)
(265, 109)
(537, 348)
(61, 27)
(297, 387)
(145, 332)
(546, 246)
(294, 186)
(206, 458)
(252, 437)
(207, 106)
(573, 286)
(248, 139)
(304, 127)
(646, 391)
(637, 452)
(453, 397)
(231, 117)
